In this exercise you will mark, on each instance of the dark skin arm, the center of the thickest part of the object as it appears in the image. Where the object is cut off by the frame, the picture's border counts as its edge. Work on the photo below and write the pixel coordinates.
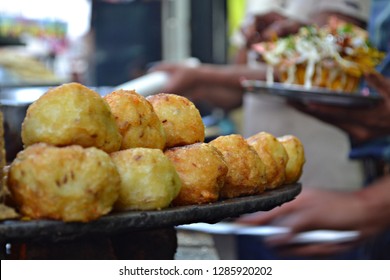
(265, 27)
(361, 124)
(366, 211)
(220, 86)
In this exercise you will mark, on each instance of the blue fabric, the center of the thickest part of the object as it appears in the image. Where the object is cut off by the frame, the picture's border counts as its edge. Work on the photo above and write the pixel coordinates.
(379, 31)
(379, 23)
(378, 149)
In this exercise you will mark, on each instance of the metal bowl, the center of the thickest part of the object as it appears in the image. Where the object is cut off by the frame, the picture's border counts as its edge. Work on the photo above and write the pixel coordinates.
(14, 102)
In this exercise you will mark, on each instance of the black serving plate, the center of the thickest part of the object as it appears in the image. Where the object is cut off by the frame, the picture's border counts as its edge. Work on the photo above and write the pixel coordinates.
(315, 94)
(52, 231)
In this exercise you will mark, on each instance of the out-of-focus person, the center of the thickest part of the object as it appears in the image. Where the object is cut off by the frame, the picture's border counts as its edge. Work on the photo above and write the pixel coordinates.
(365, 210)
(220, 85)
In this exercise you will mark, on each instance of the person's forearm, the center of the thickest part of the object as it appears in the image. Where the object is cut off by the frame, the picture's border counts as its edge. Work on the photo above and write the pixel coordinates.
(229, 75)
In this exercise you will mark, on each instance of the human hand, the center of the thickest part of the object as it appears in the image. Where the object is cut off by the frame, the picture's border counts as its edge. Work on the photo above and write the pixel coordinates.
(281, 28)
(268, 26)
(253, 28)
(201, 85)
(361, 124)
(182, 77)
(314, 209)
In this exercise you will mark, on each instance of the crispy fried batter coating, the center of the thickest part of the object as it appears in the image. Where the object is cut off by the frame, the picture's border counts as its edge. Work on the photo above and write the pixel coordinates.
(246, 175)
(296, 157)
(274, 156)
(136, 119)
(71, 114)
(69, 183)
(149, 179)
(180, 118)
(202, 171)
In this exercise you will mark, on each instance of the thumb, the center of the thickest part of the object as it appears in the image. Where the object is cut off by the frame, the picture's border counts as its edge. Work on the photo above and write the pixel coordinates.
(263, 218)
(380, 83)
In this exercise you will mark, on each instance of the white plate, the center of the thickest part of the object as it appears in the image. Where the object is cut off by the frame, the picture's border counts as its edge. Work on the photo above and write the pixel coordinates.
(315, 94)
(316, 236)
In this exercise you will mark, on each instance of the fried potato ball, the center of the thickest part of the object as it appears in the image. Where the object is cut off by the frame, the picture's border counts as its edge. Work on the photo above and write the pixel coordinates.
(202, 171)
(71, 114)
(296, 157)
(180, 118)
(63, 183)
(274, 156)
(149, 179)
(138, 124)
(246, 172)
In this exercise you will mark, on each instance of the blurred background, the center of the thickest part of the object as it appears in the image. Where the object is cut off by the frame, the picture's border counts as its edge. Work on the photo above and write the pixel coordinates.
(103, 44)
(108, 42)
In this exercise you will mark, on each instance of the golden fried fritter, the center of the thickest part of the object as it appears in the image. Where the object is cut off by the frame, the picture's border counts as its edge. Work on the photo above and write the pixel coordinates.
(69, 183)
(180, 118)
(149, 179)
(296, 157)
(274, 156)
(136, 119)
(71, 114)
(202, 171)
(246, 174)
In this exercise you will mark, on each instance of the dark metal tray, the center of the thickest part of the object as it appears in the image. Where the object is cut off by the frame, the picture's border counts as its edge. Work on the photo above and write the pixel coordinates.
(140, 220)
(318, 95)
